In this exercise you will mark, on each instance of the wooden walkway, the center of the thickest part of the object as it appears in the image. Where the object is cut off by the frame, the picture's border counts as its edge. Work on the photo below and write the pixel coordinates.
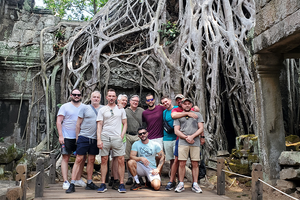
(55, 191)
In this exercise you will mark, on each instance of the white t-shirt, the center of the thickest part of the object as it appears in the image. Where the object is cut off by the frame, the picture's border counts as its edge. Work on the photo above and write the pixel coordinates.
(112, 120)
(70, 113)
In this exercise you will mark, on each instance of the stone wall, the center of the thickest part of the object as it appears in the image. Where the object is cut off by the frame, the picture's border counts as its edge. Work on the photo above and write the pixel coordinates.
(20, 27)
(277, 25)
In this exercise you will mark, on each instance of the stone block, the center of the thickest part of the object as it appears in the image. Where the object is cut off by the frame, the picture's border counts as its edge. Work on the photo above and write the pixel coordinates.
(290, 174)
(28, 36)
(285, 184)
(223, 153)
(289, 158)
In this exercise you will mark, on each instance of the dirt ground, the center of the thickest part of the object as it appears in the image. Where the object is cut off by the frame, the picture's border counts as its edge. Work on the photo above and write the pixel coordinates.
(240, 188)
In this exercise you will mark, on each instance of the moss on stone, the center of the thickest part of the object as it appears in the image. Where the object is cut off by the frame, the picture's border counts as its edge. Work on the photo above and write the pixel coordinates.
(237, 167)
(292, 139)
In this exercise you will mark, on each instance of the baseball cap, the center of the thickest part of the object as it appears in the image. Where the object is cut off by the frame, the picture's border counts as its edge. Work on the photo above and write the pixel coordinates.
(186, 99)
(179, 96)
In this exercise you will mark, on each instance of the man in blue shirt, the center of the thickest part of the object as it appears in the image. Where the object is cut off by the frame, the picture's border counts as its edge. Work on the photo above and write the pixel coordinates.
(142, 160)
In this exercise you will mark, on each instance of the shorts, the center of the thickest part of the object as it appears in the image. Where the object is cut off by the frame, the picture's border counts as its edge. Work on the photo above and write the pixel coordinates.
(70, 146)
(176, 148)
(111, 152)
(169, 148)
(87, 145)
(130, 139)
(113, 143)
(184, 152)
(142, 170)
(159, 141)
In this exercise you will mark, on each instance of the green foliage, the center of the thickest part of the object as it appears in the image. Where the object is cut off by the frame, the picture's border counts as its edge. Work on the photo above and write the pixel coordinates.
(169, 31)
(2, 139)
(75, 9)
(59, 35)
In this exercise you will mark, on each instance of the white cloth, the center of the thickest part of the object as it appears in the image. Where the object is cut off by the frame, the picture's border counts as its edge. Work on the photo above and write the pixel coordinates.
(70, 113)
(112, 120)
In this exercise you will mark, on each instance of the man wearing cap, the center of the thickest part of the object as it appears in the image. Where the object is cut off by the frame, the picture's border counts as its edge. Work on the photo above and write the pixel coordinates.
(188, 129)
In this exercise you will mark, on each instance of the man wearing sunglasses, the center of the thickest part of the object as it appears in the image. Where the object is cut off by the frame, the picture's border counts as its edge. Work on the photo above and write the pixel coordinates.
(188, 129)
(142, 160)
(66, 126)
(86, 128)
(110, 135)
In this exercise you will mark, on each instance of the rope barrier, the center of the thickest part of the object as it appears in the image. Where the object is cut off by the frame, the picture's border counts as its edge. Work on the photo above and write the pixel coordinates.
(277, 189)
(33, 176)
(48, 167)
(236, 174)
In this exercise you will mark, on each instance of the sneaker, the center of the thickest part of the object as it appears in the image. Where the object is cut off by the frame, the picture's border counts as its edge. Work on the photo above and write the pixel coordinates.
(136, 186)
(142, 181)
(115, 185)
(111, 181)
(71, 189)
(80, 183)
(179, 188)
(148, 184)
(102, 188)
(91, 186)
(196, 188)
(129, 181)
(170, 186)
(66, 185)
(122, 188)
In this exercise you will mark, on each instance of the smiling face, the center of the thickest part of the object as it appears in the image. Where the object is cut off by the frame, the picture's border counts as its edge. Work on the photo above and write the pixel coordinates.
(123, 101)
(166, 103)
(134, 102)
(143, 134)
(76, 96)
(150, 101)
(178, 102)
(111, 97)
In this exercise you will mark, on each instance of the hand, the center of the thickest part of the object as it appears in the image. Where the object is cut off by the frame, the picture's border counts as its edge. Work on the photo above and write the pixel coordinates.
(155, 171)
(99, 144)
(202, 141)
(145, 161)
(190, 139)
(120, 106)
(61, 140)
(193, 115)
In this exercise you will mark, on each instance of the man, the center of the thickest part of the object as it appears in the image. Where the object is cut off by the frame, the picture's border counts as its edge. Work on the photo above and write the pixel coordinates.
(110, 136)
(66, 127)
(169, 138)
(188, 130)
(86, 128)
(142, 160)
(114, 181)
(134, 121)
(153, 117)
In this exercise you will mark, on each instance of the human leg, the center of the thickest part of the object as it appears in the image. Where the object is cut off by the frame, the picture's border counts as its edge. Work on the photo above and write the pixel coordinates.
(104, 160)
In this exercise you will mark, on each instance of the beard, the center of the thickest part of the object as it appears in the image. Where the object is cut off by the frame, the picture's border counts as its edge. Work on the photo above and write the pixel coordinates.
(75, 101)
(150, 106)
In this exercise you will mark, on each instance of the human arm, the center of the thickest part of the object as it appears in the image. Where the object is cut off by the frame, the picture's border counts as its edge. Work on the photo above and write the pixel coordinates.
(200, 131)
(133, 156)
(59, 121)
(196, 109)
(161, 155)
(124, 122)
(78, 124)
(99, 131)
(178, 132)
(177, 115)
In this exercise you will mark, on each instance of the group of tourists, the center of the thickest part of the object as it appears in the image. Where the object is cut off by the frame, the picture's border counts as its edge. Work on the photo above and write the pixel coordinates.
(143, 139)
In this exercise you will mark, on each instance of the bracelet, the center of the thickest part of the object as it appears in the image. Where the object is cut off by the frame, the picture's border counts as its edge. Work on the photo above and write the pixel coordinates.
(202, 136)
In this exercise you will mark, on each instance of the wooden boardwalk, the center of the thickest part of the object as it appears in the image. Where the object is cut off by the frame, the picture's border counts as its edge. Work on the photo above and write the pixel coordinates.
(55, 191)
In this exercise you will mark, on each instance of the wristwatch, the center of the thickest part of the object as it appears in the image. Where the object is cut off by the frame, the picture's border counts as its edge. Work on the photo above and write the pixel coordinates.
(202, 136)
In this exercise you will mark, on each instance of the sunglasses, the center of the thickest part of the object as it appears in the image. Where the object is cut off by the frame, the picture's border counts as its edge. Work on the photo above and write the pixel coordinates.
(148, 100)
(111, 112)
(79, 95)
(142, 133)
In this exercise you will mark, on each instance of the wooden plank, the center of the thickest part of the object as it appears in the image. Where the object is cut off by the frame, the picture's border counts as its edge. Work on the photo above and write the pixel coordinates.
(22, 176)
(220, 176)
(39, 181)
(256, 185)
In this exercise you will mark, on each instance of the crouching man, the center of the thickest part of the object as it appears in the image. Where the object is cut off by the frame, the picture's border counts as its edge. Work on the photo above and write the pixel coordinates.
(142, 160)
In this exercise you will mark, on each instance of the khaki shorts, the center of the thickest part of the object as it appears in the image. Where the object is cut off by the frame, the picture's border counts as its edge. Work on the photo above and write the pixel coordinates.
(130, 139)
(113, 143)
(184, 151)
(169, 148)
